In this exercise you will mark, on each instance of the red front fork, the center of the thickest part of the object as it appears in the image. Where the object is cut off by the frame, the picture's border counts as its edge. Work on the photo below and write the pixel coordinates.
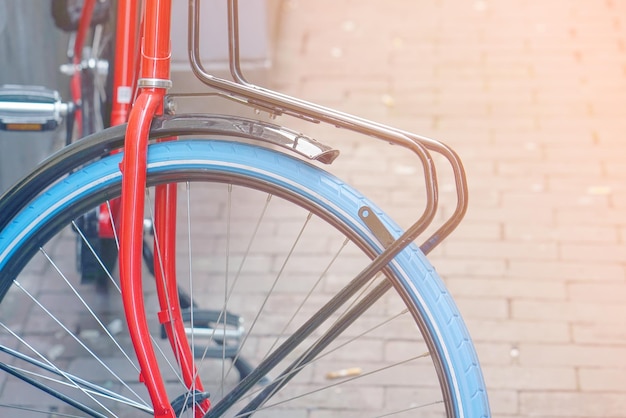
(155, 57)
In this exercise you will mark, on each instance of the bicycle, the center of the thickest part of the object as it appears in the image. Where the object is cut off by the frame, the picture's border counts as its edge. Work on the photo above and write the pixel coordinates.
(366, 307)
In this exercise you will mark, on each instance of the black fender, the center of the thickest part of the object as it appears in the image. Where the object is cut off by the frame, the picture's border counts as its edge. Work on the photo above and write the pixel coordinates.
(102, 143)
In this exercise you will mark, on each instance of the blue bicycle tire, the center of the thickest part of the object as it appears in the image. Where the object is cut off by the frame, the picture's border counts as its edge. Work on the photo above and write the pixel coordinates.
(413, 276)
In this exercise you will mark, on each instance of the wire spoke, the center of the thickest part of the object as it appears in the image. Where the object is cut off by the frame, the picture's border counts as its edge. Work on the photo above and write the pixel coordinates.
(47, 413)
(330, 335)
(113, 227)
(327, 353)
(91, 387)
(343, 381)
(79, 341)
(229, 208)
(271, 290)
(413, 408)
(238, 274)
(308, 295)
(86, 305)
(191, 294)
(93, 252)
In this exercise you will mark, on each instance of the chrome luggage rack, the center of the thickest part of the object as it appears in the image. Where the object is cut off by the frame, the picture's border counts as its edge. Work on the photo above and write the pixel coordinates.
(275, 103)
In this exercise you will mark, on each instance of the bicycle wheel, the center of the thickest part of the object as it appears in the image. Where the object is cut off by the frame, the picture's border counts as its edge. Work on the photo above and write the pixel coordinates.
(267, 242)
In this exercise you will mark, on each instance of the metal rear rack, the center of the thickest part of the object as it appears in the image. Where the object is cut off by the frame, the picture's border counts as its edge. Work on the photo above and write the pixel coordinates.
(277, 103)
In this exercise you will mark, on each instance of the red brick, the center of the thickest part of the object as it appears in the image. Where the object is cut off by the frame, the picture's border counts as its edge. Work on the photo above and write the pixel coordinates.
(561, 233)
(597, 292)
(599, 333)
(566, 271)
(569, 311)
(610, 379)
(514, 331)
(531, 378)
(506, 288)
(593, 253)
(572, 404)
(581, 355)
(502, 249)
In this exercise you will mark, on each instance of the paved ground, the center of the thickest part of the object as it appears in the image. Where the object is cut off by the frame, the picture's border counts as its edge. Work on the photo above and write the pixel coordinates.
(531, 94)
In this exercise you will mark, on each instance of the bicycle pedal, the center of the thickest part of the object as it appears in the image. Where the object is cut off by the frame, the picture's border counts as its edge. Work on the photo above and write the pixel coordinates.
(214, 324)
(31, 108)
(211, 324)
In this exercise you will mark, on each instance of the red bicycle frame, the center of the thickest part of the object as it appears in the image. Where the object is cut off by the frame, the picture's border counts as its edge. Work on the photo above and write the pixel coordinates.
(153, 67)
(79, 42)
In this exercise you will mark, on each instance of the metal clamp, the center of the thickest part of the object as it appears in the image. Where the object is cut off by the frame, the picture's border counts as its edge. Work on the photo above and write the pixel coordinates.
(157, 83)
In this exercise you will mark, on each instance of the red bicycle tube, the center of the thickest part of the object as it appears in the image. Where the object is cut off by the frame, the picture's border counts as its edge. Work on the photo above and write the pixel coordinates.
(125, 60)
(155, 59)
(133, 168)
(81, 33)
(75, 91)
(155, 66)
(156, 45)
